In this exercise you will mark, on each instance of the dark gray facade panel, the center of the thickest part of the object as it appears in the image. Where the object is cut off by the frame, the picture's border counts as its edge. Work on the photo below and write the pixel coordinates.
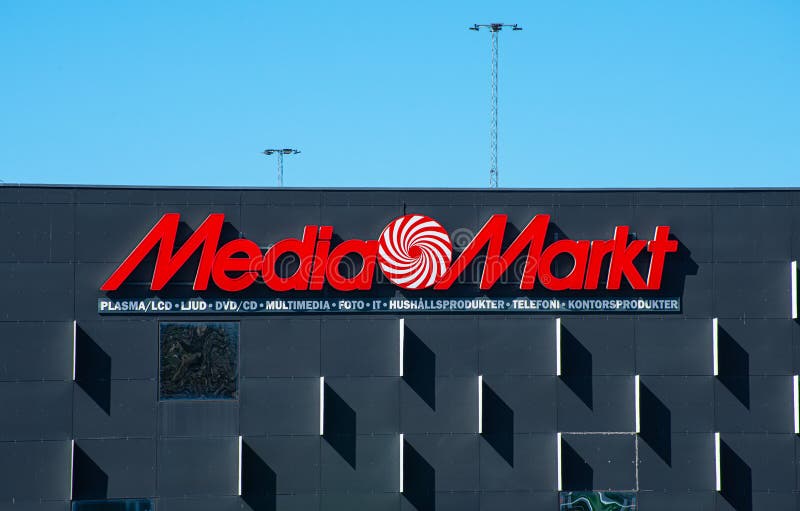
(282, 347)
(583, 222)
(610, 459)
(279, 406)
(376, 501)
(502, 500)
(770, 459)
(51, 505)
(458, 500)
(697, 291)
(295, 458)
(687, 463)
(198, 467)
(36, 233)
(363, 222)
(297, 502)
(360, 347)
(766, 344)
(752, 233)
(609, 340)
(36, 351)
(126, 467)
(455, 458)
(530, 399)
(36, 410)
(115, 408)
(189, 418)
(453, 341)
(757, 404)
(130, 345)
(601, 404)
(516, 345)
(37, 292)
(375, 467)
(671, 500)
(38, 194)
(533, 466)
(206, 503)
(674, 346)
(759, 290)
(375, 401)
(685, 399)
(454, 410)
(40, 471)
(266, 224)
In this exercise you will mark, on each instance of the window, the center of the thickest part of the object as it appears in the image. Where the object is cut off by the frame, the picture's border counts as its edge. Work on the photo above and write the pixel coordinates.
(113, 505)
(597, 501)
(199, 360)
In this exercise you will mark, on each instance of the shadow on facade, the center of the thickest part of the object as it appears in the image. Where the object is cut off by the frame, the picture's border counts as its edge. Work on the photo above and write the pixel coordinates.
(89, 481)
(259, 481)
(576, 474)
(419, 368)
(93, 369)
(576, 367)
(340, 426)
(419, 480)
(737, 479)
(498, 424)
(656, 424)
(734, 367)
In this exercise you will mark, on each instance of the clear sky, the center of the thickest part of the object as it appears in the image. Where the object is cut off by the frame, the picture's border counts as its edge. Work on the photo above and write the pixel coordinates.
(592, 94)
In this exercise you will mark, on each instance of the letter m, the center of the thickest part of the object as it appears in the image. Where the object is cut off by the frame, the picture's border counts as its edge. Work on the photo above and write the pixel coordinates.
(491, 236)
(167, 265)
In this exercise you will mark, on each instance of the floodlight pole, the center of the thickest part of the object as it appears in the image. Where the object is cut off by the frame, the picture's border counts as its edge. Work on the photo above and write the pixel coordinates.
(280, 153)
(494, 29)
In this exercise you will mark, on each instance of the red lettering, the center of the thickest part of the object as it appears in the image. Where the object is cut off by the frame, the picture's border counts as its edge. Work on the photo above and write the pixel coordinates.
(303, 249)
(659, 247)
(167, 265)
(235, 265)
(367, 250)
(622, 259)
(492, 233)
(579, 250)
(225, 262)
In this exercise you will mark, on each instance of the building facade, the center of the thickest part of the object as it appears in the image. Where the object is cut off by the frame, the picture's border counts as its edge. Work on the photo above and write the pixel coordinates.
(187, 376)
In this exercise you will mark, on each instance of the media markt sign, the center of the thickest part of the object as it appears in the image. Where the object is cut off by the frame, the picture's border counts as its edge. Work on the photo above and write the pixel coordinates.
(413, 253)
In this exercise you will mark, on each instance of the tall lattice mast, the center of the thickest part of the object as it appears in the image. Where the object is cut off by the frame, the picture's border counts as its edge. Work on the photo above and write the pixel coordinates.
(494, 29)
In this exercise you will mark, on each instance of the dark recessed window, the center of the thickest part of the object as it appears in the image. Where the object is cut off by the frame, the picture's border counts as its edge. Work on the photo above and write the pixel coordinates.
(199, 360)
(113, 505)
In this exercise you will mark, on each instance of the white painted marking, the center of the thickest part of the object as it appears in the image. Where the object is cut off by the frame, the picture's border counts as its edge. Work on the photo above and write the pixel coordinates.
(796, 392)
(480, 404)
(638, 410)
(558, 449)
(402, 343)
(321, 405)
(717, 462)
(558, 346)
(240, 465)
(402, 445)
(71, 468)
(794, 289)
(715, 342)
(74, 347)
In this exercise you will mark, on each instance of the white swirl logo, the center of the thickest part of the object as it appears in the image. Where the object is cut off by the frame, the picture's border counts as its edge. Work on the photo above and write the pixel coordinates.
(414, 251)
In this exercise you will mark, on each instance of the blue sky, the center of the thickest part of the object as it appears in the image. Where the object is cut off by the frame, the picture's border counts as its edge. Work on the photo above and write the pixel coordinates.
(592, 94)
